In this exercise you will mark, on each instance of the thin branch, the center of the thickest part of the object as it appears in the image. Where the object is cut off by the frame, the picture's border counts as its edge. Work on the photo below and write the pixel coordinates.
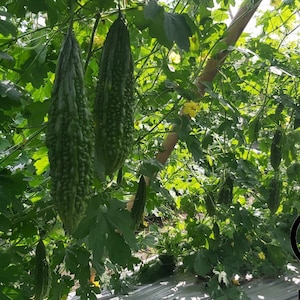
(89, 55)
(19, 146)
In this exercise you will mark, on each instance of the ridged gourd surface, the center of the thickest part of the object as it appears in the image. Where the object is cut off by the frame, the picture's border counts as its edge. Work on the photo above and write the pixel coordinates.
(114, 102)
(69, 137)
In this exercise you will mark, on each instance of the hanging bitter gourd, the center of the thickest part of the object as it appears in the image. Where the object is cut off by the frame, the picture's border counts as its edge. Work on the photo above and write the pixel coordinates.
(225, 194)
(114, 103)
(42, 272)
(210, 203)
(273, 200)
(139, 203)
(276, 149)
(70, 136)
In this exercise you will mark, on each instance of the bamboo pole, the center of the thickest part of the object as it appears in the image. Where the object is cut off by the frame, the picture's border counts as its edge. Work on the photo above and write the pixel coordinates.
(231, 35)
(209, 72)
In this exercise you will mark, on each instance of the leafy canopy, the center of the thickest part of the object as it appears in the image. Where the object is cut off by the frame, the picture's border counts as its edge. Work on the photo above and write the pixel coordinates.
(220, 217)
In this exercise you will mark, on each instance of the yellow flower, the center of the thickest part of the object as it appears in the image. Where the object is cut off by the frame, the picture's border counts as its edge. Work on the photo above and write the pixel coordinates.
(137, 125)
(98, 41)
(191, 108)
(94, 282)
(261, 255)
(174, 58)
(248, 237)
(235, 281)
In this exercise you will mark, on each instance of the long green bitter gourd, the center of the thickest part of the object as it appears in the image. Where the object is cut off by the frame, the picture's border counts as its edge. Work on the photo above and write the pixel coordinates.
(276, 149)
(70, 137)
(42, 272)
(273, 200)
(139, 203)
(114, 102)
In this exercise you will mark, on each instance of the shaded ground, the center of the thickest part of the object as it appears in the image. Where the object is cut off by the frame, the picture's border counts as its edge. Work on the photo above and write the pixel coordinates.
(184, 287)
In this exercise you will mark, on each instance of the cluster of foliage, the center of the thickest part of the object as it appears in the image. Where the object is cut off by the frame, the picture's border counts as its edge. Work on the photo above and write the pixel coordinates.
(221, 214)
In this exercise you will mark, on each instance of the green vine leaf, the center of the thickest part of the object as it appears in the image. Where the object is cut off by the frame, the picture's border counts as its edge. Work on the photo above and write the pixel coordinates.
(152, 9)
(201, 265)
(7, 28)
(177, 30)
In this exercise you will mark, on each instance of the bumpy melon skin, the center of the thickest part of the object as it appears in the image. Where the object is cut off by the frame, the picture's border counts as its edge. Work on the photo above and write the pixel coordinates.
(274, 195)
(225, 194)
(42, 272)
(70, 137)
(139, 203)
(113, 110)
(276, 150)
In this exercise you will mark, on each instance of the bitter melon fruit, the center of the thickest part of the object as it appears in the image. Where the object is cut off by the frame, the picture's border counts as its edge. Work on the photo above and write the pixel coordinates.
(70, 137)
(113, 109)
(225, 194)
(210, 204)
(297, 118)
(274, 194)
(276, 149)
(42, 272)
(139, 203)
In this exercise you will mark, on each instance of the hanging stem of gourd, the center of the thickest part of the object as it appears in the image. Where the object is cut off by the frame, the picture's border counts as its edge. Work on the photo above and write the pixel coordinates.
(119, 8)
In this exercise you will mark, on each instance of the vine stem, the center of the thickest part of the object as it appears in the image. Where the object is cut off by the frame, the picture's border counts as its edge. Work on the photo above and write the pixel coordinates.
(211, 69)
(89, 55)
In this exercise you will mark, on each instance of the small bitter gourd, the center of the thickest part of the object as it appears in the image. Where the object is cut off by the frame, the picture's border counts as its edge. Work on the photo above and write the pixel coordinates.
(276, 149)
(70, 136)
(297, 118)
(139, 203)
(274, 194)
(225, 194)
(42, 272)
(210, 204)
(113, 109)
